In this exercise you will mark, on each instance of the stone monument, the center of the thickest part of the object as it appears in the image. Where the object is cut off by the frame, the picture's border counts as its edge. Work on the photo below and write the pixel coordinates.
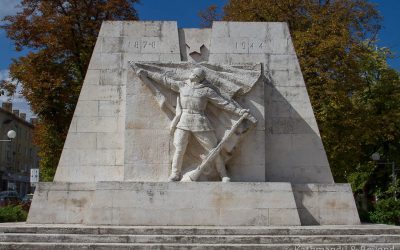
(193, 127)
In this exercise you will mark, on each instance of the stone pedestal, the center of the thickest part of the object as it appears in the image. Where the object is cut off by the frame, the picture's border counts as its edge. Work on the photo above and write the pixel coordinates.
(158, 203)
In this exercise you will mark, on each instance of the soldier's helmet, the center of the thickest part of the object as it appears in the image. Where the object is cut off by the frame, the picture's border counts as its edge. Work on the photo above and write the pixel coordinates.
(200, 73)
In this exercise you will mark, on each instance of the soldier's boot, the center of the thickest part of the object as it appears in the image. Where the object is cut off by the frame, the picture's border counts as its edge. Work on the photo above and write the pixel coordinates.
(220, 166)
(176, 170)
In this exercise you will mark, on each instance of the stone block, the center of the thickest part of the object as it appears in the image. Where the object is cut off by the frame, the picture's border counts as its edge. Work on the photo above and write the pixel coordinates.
(246, 173)
(111, 108)
(153, 118)
(283, 217)
(283, 62)
(290, 94)
(144, 37)
(101, 215)
(219, 58)
(147, 172)
(278, 30)
(80, 141)
(326, 204)
(152, 29)
(136, 57)
(172, 204)
(299, 145)
(220, 29)
(237, 59)
(109, 172)
(302, 109)
(313, 173)
(172, 57)
(131, 45)
(338, 217)
(112, 77)
(111, 44)
(147, 146)
(286, 78)
(78, 203)
(96, 157)
(95, 62)
(96, 124)
(280, 109)
(119, 157)
(245, 217)
(86, 108)
(254, 143)
(111, 29)
(69, 157)
(60, 204)
(289, 125)
(110, 140)
(92, 77)
(133, 29)
(255, 30)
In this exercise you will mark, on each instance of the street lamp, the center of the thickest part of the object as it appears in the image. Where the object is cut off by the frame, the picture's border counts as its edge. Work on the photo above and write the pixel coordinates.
(376, 157)
(11, 135)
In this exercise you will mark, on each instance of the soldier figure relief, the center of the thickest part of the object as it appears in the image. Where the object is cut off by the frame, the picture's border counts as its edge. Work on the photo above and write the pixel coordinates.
(194, 94)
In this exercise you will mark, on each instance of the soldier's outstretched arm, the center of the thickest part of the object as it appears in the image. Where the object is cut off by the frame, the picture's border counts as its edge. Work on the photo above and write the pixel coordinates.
(160, 78)
(224, 103)
(228, 105)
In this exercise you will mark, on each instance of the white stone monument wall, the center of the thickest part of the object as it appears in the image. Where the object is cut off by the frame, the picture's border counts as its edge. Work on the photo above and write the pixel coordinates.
(117, 154)
(291, 131)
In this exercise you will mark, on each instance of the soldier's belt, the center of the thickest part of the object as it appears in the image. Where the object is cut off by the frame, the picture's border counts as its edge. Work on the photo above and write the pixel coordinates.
(190, 111)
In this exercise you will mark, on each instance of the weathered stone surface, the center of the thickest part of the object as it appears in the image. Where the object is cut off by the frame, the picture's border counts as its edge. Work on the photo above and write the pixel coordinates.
(166, 203)
(113, 102)
(326, 204)
(119, 134)
(39, 236)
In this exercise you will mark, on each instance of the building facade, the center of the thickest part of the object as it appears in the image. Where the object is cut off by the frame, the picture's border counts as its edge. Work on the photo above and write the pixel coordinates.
(19, 155)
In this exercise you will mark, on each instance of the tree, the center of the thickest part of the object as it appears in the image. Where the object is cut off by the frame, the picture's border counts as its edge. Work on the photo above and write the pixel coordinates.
(61, 35)
(208, 16)
(354, 93)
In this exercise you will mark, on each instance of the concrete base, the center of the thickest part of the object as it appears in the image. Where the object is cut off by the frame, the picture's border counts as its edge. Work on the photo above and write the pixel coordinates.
(196, 203)
(326, 204)
(165, 203)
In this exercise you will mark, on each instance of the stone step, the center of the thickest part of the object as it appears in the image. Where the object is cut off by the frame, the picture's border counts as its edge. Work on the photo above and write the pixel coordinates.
(43, 237)
(121, 246)
(193, 230)
(203, 239)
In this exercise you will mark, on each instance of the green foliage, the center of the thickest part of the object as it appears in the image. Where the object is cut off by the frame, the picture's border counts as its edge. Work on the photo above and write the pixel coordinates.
(13, 213)
(360, 177)
(364, 215)
(387, 211)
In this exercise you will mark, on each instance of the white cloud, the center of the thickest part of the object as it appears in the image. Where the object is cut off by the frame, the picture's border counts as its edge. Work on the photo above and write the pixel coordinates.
(18, 101)
(8, 7)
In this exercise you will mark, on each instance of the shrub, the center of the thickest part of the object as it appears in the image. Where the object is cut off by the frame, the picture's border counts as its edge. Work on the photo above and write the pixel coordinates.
(387, 211)
(12, 213)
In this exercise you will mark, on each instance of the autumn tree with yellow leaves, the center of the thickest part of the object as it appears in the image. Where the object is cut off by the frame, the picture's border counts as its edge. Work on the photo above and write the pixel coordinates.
(60, 35)
(354, 92)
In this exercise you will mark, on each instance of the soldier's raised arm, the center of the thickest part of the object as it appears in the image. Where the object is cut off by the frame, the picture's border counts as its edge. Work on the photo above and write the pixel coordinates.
(223, 102)
(228, 105)
(160, 78)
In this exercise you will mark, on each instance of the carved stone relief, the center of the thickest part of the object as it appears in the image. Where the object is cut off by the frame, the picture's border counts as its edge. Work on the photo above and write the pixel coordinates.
(201, 89)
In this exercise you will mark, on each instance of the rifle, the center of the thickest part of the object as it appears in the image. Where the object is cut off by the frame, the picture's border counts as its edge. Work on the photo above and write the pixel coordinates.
(195, 174)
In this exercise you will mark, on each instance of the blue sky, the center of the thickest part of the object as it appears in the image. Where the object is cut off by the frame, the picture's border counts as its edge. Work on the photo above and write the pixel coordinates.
(186, 13)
